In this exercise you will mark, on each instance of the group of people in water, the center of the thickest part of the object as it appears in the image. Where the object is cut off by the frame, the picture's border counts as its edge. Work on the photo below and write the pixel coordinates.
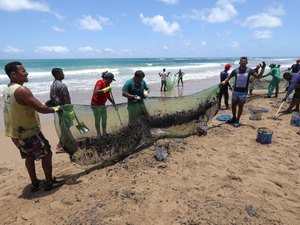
(21, 108)
(245, 76)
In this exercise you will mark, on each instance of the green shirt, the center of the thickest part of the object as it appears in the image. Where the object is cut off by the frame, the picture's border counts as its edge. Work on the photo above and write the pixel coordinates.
(275, 73)
(132, 88)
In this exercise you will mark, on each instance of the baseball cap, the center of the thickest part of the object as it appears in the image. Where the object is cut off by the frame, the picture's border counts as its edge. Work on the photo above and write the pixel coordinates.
(227, 66)
(110, 76)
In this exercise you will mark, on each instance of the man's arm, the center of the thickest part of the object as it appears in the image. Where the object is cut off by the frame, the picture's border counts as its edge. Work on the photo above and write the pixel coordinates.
(111, 100)
(257, 76)
(228, 78)
(125, 92)
(25, 97)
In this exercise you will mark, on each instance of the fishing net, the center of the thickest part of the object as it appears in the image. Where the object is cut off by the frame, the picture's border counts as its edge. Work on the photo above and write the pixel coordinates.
(170, 117)
(264, 82)
(171, 81)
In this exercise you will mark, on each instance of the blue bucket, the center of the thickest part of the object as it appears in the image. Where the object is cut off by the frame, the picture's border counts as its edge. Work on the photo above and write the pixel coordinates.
(295, 120)
(264, 135)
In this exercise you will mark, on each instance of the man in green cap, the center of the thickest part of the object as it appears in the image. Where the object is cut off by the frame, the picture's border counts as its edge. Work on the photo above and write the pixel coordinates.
(276, 78)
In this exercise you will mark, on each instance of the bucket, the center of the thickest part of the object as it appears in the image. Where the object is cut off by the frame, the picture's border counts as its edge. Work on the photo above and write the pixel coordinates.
(255, 115)
(264, 135)
(295, 120)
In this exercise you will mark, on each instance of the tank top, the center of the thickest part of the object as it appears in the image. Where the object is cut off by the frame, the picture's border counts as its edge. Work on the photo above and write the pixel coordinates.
(242, 80)
(20, 121)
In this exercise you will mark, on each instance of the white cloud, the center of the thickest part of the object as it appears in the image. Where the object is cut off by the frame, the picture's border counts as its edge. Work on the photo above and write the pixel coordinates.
(88, 49)
(10, 49)
(58, 16)
(276, 11)
(15, 5)
(187, 43)
(53, 49)
(127, 51)
(89, 23)
(224, 11)
(266, 34)
(195, 15)
(234, 44)
(159, 24)
(165, 47)
(109, 50)
(262, 20)
(57, 29)
(169, 2)
(203, 43)
(221, 34)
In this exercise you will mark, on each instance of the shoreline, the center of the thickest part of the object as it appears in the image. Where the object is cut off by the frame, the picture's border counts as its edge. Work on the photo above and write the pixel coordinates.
(84, 97)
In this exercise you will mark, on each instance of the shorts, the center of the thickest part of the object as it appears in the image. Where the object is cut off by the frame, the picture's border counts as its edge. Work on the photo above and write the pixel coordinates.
(297, 93)
(239, 98)
(100, 112)
(35, 147)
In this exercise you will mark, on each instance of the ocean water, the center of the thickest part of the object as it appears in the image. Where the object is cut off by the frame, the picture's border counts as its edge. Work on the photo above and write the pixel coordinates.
(81, 74)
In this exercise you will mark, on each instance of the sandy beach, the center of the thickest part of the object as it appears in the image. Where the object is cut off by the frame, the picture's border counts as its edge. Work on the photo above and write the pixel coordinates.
(225, 177)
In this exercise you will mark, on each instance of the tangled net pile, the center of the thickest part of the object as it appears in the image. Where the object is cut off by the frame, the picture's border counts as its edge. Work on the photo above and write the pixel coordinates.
(169, 117)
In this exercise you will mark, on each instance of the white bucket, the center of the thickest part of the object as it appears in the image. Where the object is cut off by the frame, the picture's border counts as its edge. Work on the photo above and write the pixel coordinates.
(255, 115)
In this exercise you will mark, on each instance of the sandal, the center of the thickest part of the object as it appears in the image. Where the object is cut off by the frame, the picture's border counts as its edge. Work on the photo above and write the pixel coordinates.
(39, 185)
(55, 184)
(231, 121)
(236, 124)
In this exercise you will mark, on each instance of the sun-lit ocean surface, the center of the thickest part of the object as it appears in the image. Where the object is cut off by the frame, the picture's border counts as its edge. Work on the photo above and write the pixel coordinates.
(81, 74)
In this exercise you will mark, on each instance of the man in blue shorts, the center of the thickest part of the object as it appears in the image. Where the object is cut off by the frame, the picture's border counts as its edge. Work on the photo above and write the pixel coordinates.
(239, 94)
(22, 124)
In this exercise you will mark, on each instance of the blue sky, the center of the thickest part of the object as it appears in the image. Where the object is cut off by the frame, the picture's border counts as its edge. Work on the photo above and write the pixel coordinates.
(148, 28)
